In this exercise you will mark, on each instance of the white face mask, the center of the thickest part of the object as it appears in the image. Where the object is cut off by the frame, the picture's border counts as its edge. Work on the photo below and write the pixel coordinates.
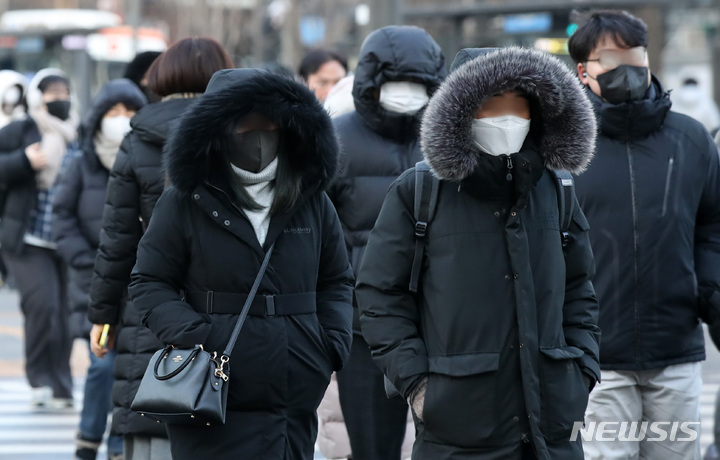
(115, 128)
(500, 135)
(403, 97)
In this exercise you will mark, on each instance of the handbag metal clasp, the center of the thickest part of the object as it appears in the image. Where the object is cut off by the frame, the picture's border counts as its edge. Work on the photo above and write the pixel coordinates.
(219, 366)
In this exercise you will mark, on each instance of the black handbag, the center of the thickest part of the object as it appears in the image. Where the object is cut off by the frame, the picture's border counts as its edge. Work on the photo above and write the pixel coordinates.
(190, 386)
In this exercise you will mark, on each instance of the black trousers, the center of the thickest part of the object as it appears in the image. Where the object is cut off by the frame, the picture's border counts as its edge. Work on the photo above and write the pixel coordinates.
(40, 277)
(376, 425)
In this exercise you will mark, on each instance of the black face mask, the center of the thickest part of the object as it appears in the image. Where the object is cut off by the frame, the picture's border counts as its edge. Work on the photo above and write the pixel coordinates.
(254, 150)
(624, 84)
(59, 109)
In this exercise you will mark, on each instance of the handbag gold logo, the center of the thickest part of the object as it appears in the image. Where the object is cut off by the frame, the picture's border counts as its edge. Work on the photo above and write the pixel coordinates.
(177, 359)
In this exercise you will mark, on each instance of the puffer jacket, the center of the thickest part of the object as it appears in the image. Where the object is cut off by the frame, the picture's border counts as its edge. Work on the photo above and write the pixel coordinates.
(80, 199)
(136, 182)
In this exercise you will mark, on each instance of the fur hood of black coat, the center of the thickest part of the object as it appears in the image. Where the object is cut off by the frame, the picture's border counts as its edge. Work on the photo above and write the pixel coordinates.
(565, 132)
(305, 127)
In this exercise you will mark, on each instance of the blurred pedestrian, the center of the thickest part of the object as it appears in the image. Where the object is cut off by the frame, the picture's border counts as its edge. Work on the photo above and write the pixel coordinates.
(77, 217)
(339, 100)
(690, 100)
(32, 150)
(137, 70)
(333, 438)
(13, 86)
(497, 348)
(652, 197)
(321, 70)
(248, 165)
(399, 69)
(136, 181)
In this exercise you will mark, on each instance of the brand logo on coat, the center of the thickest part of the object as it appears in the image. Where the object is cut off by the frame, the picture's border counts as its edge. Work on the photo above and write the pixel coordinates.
(299, 230)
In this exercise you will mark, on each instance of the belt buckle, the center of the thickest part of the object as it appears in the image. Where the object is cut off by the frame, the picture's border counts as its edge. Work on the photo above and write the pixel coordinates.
(270, 305)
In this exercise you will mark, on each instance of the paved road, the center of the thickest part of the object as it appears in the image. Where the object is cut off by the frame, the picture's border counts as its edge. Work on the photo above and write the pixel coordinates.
(37, 435)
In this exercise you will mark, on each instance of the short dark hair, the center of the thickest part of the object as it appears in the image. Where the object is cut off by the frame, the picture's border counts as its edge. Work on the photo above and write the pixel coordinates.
(627, 31)
(187, 66)
(315, 59)
(50, 80)
(138, 67)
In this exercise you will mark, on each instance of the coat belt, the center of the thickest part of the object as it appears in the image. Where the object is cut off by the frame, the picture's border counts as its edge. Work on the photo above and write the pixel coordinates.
(263, 305)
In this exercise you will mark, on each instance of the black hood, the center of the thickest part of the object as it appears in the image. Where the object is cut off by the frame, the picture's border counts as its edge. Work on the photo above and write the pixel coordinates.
(636, 119)
(232, 94)
(468, 54)
(562, 117)
(117, 91)
(395, 53)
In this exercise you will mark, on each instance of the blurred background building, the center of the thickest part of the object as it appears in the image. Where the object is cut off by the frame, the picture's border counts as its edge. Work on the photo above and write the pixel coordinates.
(93, 39)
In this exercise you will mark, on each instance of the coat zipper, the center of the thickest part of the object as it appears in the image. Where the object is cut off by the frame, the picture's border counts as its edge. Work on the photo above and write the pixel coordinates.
(635, 239)
(671, 163)
(510, 166)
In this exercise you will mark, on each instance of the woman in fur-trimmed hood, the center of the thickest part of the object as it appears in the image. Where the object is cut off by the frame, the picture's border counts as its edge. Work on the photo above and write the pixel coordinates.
(248, 164)
(499, 349)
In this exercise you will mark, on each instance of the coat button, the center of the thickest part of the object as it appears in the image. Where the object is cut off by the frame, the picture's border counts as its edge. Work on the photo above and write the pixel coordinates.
(215, 213)
(513, 214)
(497, 214)
(196, 196)
(516, 419)
(516, 276)
(507, 277)
(227, 223)
(523, 346)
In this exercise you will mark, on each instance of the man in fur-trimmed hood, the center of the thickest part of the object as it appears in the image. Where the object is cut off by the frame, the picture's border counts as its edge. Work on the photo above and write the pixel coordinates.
(498, 350)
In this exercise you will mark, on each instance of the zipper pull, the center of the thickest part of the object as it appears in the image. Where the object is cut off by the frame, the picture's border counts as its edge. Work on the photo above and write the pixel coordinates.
(509, 176)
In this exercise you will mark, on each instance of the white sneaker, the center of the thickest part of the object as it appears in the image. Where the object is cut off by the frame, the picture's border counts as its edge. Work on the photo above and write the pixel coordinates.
(40, 397)
(60, 403)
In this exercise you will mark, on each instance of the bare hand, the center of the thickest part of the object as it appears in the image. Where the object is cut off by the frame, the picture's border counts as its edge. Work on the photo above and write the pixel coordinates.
(38, 158)
(95, 334)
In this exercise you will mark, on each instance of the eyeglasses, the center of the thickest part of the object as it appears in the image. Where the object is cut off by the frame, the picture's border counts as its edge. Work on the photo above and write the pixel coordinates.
(612, 59)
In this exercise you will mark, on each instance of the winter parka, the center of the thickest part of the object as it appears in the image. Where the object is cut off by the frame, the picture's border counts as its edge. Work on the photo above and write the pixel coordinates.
(80, 199)
(504, 326)
(652, 197)
(136, 182)
(199, 241)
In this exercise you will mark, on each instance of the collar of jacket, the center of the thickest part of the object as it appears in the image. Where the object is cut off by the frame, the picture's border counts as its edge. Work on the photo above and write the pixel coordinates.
(214, 198)
(563, 122)
(633, 120)
(489, 182)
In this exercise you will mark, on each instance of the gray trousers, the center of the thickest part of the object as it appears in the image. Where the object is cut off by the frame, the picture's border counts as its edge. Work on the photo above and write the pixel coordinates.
(40, 277)
(669, 396)
(146, 448)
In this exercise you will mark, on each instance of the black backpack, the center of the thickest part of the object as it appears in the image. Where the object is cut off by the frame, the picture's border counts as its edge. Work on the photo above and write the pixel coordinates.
(427, 187)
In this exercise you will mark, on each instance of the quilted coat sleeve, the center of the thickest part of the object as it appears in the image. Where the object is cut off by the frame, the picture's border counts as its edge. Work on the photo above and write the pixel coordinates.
(335, 286)
(388, 312)
(119, 237)
(159, 275)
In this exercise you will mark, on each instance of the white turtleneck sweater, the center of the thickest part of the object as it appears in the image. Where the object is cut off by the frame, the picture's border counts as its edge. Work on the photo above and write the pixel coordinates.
(260, 186)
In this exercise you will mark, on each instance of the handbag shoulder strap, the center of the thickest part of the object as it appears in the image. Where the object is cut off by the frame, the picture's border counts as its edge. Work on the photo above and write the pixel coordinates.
(248, 303)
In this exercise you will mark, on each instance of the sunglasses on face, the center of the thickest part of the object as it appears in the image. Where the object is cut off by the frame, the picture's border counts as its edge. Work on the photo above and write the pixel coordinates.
(612, 59)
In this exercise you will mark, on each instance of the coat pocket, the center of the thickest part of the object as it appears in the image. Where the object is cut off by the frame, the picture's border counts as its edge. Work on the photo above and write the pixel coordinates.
(460, 408)
(564, 391)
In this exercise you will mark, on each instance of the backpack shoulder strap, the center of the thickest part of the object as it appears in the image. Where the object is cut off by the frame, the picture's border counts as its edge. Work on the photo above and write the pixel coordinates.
(427, 187)
(565, 185)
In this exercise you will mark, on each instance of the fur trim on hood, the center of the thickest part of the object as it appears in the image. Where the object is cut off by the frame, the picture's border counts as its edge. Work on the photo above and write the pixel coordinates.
(305, 126)
(565, 132)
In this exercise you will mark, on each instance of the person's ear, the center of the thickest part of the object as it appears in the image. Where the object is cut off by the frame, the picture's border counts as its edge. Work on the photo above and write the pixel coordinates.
(582, 73)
